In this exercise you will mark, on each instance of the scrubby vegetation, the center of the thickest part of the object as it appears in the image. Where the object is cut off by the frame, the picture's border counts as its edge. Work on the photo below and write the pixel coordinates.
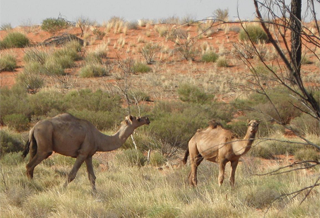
(181, 93)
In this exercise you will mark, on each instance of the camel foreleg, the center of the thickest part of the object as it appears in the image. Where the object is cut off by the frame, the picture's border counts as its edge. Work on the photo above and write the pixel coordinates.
(222, 166)
(75, 168)
(234, 165)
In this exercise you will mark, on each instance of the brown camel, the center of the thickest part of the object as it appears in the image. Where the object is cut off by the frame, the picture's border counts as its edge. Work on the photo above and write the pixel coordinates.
(70, 136)
(219, 145)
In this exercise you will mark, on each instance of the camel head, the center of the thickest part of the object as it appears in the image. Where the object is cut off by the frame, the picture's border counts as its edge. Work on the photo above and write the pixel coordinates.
(136, 121)
(253, 126)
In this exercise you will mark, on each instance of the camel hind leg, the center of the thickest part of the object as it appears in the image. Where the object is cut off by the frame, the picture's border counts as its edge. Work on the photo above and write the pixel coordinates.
(36, 156)
(34, 161)
(92, 177)
(195, 160)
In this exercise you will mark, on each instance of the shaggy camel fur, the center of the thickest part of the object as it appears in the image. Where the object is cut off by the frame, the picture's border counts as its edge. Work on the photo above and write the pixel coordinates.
(220, 145)
(70, 136)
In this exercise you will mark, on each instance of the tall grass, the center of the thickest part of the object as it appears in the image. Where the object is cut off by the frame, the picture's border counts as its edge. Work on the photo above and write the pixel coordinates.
(125, 191)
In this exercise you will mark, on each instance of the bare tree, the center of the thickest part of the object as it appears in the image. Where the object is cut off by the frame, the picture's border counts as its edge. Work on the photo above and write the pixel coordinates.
(289, 36)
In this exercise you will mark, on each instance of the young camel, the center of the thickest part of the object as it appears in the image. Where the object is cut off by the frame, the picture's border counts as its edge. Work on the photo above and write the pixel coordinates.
(219, 145)
(70, 136)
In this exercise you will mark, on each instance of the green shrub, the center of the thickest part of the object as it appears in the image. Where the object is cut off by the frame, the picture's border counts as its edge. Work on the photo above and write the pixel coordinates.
(93, 58)
(261, 198)
(240, 127)
(139, 67)
(65, 61)
(102, 120)
(139, 96)
(12, 158)
(51, 67)
(209, 57)
(280, 148)
(253, 32)
(222, 62)
(18, 122)
(10, 142)
(261, 151)
(43, 102)
(7, 62)
(53, 25)
(93, 70)
(149, 52)
(14, 101)
(308, 154)
(157, 159)
(69, 50)
(280, 109)
(131, 157)
(306, 124)
(191, 93)
(92, 101)
(15, 40)
(30, 81)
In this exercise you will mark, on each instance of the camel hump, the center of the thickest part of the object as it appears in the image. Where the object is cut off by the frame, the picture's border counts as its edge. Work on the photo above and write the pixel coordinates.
(214, 124)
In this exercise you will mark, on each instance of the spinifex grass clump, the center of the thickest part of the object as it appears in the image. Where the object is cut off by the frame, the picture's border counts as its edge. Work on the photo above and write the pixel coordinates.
(209, 57)
(53, 25)
(141, 68)
(93, 70)
(7, 62)
(14, 40)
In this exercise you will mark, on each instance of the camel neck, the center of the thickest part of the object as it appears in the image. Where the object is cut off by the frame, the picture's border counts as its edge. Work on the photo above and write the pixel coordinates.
(115, 141)
(243, 146)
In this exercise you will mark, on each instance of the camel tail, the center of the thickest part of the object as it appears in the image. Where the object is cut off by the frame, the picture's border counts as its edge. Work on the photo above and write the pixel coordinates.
(26, 149)
(33, 143)
(186, 155)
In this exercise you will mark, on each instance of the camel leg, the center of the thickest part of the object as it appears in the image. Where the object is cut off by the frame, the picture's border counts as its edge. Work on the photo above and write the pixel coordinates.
(222, 166)
(34, 161)
(195, 162)
(92, 177)
(75, 168)
(234, 165)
